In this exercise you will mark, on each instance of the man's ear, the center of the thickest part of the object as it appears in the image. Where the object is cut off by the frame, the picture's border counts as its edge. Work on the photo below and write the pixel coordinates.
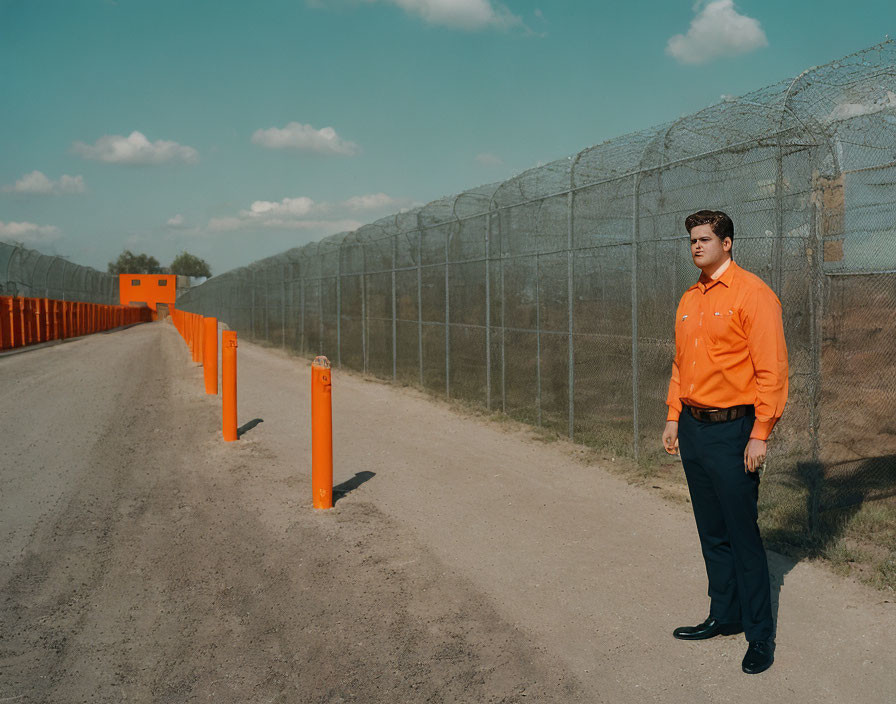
(726, 244)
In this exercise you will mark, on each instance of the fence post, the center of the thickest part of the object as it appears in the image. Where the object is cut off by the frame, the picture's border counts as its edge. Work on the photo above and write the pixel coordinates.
(570, 293)
(816, 318)
(364, 307)
(320, 307)
(503, 326)
(488, 312)
(636, 225)
(778, 251)
(228, 381)
(283, 307)
(420, 298)
(394, 239)
(252, 310)
(339, 305)
(266, 307)
(302, 303)
(447, 319)
(538, 337)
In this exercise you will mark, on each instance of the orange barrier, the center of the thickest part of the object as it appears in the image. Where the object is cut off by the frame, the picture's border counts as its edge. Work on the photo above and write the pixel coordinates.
(321, 433)
(228, 381)
(28, 321)
(197, 338)
(210, 354)
(200, 333)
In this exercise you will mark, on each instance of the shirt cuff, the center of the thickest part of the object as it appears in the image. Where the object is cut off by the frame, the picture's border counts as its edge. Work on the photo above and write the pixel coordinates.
(673, 414)
(762, 429)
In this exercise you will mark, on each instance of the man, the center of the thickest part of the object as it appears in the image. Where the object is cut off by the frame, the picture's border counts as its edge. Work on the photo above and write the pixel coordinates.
(728, 389)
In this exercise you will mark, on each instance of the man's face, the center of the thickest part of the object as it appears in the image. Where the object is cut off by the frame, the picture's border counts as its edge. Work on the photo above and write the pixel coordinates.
(707, 250)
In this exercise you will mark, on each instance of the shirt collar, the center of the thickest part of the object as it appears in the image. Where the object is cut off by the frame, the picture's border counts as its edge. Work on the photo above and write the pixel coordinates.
(726, 278)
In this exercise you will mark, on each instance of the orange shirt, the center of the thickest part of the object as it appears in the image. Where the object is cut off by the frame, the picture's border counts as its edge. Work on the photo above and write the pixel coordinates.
(730, 349)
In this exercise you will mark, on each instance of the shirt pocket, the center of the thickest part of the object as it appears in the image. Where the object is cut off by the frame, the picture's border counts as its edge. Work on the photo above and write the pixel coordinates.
(684, 332)
(722, 326)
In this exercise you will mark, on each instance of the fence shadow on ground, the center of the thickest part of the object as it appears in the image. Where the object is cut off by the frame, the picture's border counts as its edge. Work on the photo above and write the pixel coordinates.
(834, 494)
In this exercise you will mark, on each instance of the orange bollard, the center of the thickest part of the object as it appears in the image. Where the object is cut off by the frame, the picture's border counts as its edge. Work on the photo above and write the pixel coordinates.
(228, 381)
(321, 433)
(210, 354)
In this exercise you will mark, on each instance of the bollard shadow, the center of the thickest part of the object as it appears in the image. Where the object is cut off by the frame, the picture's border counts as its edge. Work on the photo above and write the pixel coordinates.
(350, 485)
(248, 426)
(833, 494)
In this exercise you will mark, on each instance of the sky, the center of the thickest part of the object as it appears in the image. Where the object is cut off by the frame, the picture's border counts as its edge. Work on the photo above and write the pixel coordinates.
(237, 130)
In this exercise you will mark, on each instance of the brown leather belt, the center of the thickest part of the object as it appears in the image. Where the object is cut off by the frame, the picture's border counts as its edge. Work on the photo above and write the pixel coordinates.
(720, 415)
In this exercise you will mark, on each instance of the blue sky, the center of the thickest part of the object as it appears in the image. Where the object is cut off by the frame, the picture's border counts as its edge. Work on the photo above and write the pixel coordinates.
(237, 130)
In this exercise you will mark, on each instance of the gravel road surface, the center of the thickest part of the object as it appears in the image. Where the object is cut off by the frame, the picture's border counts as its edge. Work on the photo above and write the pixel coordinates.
(144, 559)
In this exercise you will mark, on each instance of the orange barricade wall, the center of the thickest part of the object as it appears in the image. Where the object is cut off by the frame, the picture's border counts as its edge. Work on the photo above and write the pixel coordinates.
(149, 289)
(27, 321)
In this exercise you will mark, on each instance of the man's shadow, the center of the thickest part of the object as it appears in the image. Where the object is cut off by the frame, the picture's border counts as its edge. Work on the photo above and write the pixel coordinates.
(834, 494)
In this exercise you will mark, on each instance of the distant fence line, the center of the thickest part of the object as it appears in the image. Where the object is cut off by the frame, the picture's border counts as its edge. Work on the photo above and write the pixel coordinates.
(26, 273)
(551, 296)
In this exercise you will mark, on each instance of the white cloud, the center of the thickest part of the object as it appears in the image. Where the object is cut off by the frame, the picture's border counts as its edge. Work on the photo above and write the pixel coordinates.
(304, 138)
(489, 159)
(37, 183)
(469, 15)
(176, 221)
(72, 184)
(135, 149)
(460, 14)
(29, 233)
(717, 30)
(304, 213)
(376, 201)
(288, 207)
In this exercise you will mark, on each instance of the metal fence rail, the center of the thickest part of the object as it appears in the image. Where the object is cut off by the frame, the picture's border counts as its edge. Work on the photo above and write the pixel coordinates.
(551, 296)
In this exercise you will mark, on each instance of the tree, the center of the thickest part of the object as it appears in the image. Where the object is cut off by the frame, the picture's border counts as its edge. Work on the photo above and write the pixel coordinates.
(186, 264)
(130, 263)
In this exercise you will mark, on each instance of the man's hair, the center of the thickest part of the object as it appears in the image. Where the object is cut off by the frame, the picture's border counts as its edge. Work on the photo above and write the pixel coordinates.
(720, 223)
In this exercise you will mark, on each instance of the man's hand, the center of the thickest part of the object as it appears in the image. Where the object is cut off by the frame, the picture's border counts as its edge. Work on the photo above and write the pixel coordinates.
(754, 455)
(670, 437)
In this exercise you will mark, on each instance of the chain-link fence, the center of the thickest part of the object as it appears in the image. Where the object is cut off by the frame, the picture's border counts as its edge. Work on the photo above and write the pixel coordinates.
(26, 273)
(551, 296)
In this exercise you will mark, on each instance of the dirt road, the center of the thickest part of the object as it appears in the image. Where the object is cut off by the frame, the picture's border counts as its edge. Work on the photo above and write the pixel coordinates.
(144, 559)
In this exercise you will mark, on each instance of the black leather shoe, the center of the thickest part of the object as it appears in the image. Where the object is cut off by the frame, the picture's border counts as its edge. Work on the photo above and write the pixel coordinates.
(710, 628)
(760, 656)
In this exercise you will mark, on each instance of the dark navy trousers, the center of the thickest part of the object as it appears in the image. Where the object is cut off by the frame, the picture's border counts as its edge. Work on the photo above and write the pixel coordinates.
(724, 498)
